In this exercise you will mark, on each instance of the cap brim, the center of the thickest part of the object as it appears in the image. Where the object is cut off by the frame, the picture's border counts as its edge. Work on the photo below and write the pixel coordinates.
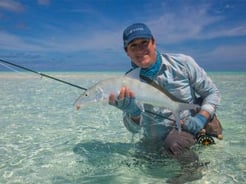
(143, 36)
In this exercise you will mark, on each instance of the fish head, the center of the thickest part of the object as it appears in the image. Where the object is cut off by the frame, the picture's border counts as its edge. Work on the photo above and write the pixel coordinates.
(90, 96)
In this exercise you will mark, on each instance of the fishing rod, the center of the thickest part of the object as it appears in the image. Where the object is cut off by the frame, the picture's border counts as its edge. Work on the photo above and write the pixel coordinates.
(42, 74)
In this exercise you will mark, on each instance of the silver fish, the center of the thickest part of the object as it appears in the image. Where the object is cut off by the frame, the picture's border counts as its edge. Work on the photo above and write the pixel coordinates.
(145, 94)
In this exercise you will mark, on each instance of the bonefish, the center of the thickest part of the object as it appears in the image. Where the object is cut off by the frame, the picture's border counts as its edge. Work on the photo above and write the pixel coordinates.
(144, 93)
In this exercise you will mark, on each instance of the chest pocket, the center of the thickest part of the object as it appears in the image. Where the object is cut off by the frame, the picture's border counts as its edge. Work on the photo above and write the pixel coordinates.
(177, 84)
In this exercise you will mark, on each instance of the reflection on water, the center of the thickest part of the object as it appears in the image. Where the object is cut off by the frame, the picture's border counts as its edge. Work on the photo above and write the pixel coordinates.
(111, 158)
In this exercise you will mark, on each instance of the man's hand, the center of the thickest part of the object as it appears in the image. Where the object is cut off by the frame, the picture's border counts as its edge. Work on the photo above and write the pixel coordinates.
(195, 124)
(126, 102)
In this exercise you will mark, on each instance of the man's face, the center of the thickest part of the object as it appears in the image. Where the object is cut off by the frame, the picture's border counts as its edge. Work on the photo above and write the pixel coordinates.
(142, 52)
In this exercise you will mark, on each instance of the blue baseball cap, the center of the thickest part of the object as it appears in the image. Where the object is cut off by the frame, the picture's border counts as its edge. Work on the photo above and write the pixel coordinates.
(134, 31)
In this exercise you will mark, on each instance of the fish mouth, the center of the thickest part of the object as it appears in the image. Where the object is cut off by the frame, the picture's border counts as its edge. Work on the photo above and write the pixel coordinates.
(77, 107)
(77, 102)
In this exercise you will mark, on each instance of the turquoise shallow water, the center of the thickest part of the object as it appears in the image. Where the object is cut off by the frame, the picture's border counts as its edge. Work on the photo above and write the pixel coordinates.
(45, 140)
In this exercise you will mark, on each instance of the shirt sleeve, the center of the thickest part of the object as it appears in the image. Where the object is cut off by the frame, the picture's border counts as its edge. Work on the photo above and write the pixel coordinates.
(203, 86)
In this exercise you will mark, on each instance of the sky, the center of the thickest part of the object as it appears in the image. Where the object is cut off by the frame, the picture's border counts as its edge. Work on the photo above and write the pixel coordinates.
(86, 35)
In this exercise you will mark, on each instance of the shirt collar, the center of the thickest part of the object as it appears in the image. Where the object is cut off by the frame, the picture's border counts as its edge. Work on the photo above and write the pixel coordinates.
(153, 69)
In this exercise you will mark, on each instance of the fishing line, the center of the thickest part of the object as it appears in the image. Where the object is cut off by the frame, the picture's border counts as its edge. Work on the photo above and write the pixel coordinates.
(39, 73)
(12, 69)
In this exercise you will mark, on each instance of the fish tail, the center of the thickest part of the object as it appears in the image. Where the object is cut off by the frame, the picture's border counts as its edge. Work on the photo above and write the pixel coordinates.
(181, 107)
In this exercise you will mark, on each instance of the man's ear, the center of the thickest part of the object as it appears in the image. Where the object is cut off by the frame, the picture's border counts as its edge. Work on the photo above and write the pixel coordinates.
(153, 42)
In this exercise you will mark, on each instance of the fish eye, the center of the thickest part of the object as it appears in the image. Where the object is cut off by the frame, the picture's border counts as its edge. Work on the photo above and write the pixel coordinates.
(85, 94)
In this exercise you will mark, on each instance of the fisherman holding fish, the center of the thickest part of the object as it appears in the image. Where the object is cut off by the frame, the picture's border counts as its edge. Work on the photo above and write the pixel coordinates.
(178, 74)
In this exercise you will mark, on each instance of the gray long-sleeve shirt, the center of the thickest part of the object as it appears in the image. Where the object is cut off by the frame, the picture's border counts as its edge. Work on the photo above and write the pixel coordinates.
(182, 77)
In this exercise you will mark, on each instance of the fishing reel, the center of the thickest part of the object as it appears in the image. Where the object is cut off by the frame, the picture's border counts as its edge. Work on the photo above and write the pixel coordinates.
(204, 139)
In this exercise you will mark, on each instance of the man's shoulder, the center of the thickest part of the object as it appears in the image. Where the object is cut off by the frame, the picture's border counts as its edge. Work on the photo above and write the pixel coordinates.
(177, 56)
(179, 59)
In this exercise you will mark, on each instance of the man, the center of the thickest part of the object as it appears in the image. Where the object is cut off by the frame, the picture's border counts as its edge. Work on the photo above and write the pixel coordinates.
(181, 76)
